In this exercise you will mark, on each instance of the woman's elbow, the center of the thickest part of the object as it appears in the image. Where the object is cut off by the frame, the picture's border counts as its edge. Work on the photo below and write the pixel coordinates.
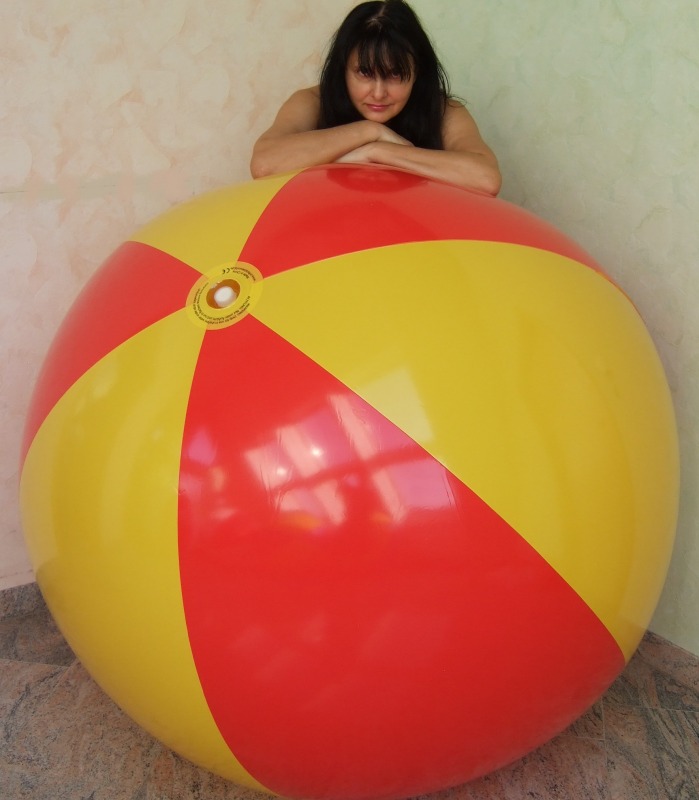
(489, 177)
(492, 182)
(263, 162)
(258, 172)
(259, 168)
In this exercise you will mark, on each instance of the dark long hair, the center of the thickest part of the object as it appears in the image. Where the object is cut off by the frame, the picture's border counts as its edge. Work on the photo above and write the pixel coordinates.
(389, 40)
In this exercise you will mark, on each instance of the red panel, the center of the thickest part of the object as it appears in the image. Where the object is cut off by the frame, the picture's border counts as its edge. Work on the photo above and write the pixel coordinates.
(135, 287)
(332, 210)
(363, 625)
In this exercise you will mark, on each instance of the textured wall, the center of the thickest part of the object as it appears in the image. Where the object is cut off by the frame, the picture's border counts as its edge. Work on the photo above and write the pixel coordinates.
(113, 112)
(593, 110)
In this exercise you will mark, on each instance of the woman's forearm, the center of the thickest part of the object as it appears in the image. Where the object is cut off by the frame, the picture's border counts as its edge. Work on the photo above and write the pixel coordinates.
(471, 170)
(275, 154)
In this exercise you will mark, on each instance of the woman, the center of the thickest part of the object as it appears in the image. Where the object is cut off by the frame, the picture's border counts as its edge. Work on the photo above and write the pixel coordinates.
(383, 98)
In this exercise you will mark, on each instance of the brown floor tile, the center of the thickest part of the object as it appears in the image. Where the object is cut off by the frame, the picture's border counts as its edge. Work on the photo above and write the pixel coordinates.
(653, 754)
(659, 676)
(67, 739)
(34, 637)
(24, 689)
(20, 601)
(591, 724)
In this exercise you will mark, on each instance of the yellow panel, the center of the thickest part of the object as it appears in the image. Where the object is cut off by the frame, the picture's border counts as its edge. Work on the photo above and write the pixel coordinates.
(542, 392)
(211, 229)
(99, 502)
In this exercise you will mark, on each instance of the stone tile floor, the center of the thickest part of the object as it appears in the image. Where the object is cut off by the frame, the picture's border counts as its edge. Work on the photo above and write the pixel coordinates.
(61, 738)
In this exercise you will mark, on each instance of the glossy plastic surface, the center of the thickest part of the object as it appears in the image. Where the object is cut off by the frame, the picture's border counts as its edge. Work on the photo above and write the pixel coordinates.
(392, 518)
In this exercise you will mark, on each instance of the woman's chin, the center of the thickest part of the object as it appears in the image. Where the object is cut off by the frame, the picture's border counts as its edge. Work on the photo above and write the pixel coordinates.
(378, 115)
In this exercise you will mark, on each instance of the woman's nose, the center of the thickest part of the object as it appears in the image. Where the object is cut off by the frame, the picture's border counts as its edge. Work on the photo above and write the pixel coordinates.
(379, 88)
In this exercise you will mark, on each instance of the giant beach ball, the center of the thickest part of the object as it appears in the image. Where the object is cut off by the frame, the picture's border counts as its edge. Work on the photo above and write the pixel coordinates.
(350, 483)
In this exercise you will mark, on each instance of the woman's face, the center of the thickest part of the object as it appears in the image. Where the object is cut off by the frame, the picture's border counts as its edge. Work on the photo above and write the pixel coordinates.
(376, 98)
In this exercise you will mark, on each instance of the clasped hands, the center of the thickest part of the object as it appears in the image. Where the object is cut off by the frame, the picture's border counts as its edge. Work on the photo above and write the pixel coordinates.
(367, 153)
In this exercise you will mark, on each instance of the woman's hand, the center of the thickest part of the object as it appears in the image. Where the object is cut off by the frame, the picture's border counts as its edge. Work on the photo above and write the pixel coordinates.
(370, 153)
(361, 155)
(385, 134)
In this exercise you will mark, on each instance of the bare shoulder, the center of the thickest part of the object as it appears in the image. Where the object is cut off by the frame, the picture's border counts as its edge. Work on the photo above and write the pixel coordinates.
(459, 129)
(456, 116)
(310, 96)
(300, 112)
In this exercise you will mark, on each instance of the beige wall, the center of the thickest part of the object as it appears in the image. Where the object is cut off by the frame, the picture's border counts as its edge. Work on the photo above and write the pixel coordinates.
(111, 112)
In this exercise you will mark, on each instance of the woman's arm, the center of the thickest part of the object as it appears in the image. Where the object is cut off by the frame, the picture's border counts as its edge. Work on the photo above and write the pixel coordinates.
(466, 159)
(294, 143)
